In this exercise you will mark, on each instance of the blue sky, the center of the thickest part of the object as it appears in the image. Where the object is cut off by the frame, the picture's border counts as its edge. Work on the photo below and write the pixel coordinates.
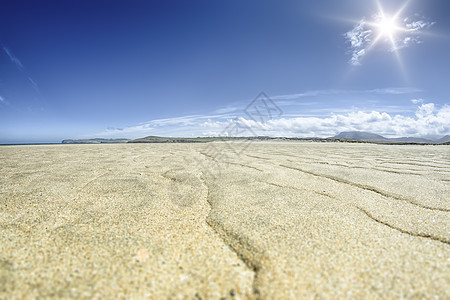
(85, 69)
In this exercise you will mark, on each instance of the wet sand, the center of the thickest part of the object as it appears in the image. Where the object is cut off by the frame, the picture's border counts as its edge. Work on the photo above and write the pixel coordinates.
(235, 220)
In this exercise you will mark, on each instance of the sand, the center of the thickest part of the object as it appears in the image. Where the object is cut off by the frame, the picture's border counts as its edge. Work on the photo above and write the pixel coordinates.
(269, 220)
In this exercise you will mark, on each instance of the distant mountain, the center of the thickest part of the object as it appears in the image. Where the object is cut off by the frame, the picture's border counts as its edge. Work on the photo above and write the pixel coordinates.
(360, 136)
(443, 140)
(95, 141)
(376, 138)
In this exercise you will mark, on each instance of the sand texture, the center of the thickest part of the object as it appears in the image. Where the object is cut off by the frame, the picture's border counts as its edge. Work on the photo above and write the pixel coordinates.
(269, 220)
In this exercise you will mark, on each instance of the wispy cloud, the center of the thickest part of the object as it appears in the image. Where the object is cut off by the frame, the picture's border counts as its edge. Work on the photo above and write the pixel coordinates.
(228, 109)
(13, 58)
(404, 33)
(3, 101)
(395, 90)
(314, 119)
(315, 93)
(186, 120)
(32, 83)
(305, 94)
(414, 25)
(359, 38)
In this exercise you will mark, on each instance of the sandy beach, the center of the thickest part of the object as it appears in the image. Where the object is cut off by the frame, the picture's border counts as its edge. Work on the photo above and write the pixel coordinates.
(260, 220)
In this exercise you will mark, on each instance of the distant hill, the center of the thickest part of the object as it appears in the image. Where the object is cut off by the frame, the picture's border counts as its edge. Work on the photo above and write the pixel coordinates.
(443, 140)
(347, 136)
(376, 138)
(95, 141)
(160, 139)
(360, 136)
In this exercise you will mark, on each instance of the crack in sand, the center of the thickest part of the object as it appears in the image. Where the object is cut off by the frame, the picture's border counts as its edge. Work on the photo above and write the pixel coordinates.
(415, 164)
(347, 166)
(94, 179)
(366, 187)
(258, 157)
(171, 178)
(358, 167)
(231, 163)
(216, 227)
(247, 166)
(284, 186)
(415, 234)
(242, 246)
(210, 156)
(302, 190)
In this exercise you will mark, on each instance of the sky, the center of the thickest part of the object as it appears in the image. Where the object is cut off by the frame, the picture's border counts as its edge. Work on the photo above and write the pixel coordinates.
(130, 69)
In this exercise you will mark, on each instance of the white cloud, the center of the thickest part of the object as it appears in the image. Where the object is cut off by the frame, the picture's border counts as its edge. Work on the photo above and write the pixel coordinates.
(416, 101)
(363, 35)
(389, 120)
(428, 120)
(413, 28)
(359, 38)
(417, 23)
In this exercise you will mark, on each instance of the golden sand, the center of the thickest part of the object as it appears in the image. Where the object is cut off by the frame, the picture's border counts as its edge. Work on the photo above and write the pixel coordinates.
(225, 220)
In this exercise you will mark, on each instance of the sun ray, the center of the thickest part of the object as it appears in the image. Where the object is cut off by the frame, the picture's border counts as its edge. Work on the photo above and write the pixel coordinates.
(397, 14)
(386, 30)
(387, 27)
(380, 8)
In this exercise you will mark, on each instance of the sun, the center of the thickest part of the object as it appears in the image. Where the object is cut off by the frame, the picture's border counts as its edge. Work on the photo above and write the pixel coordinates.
(387, 27)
